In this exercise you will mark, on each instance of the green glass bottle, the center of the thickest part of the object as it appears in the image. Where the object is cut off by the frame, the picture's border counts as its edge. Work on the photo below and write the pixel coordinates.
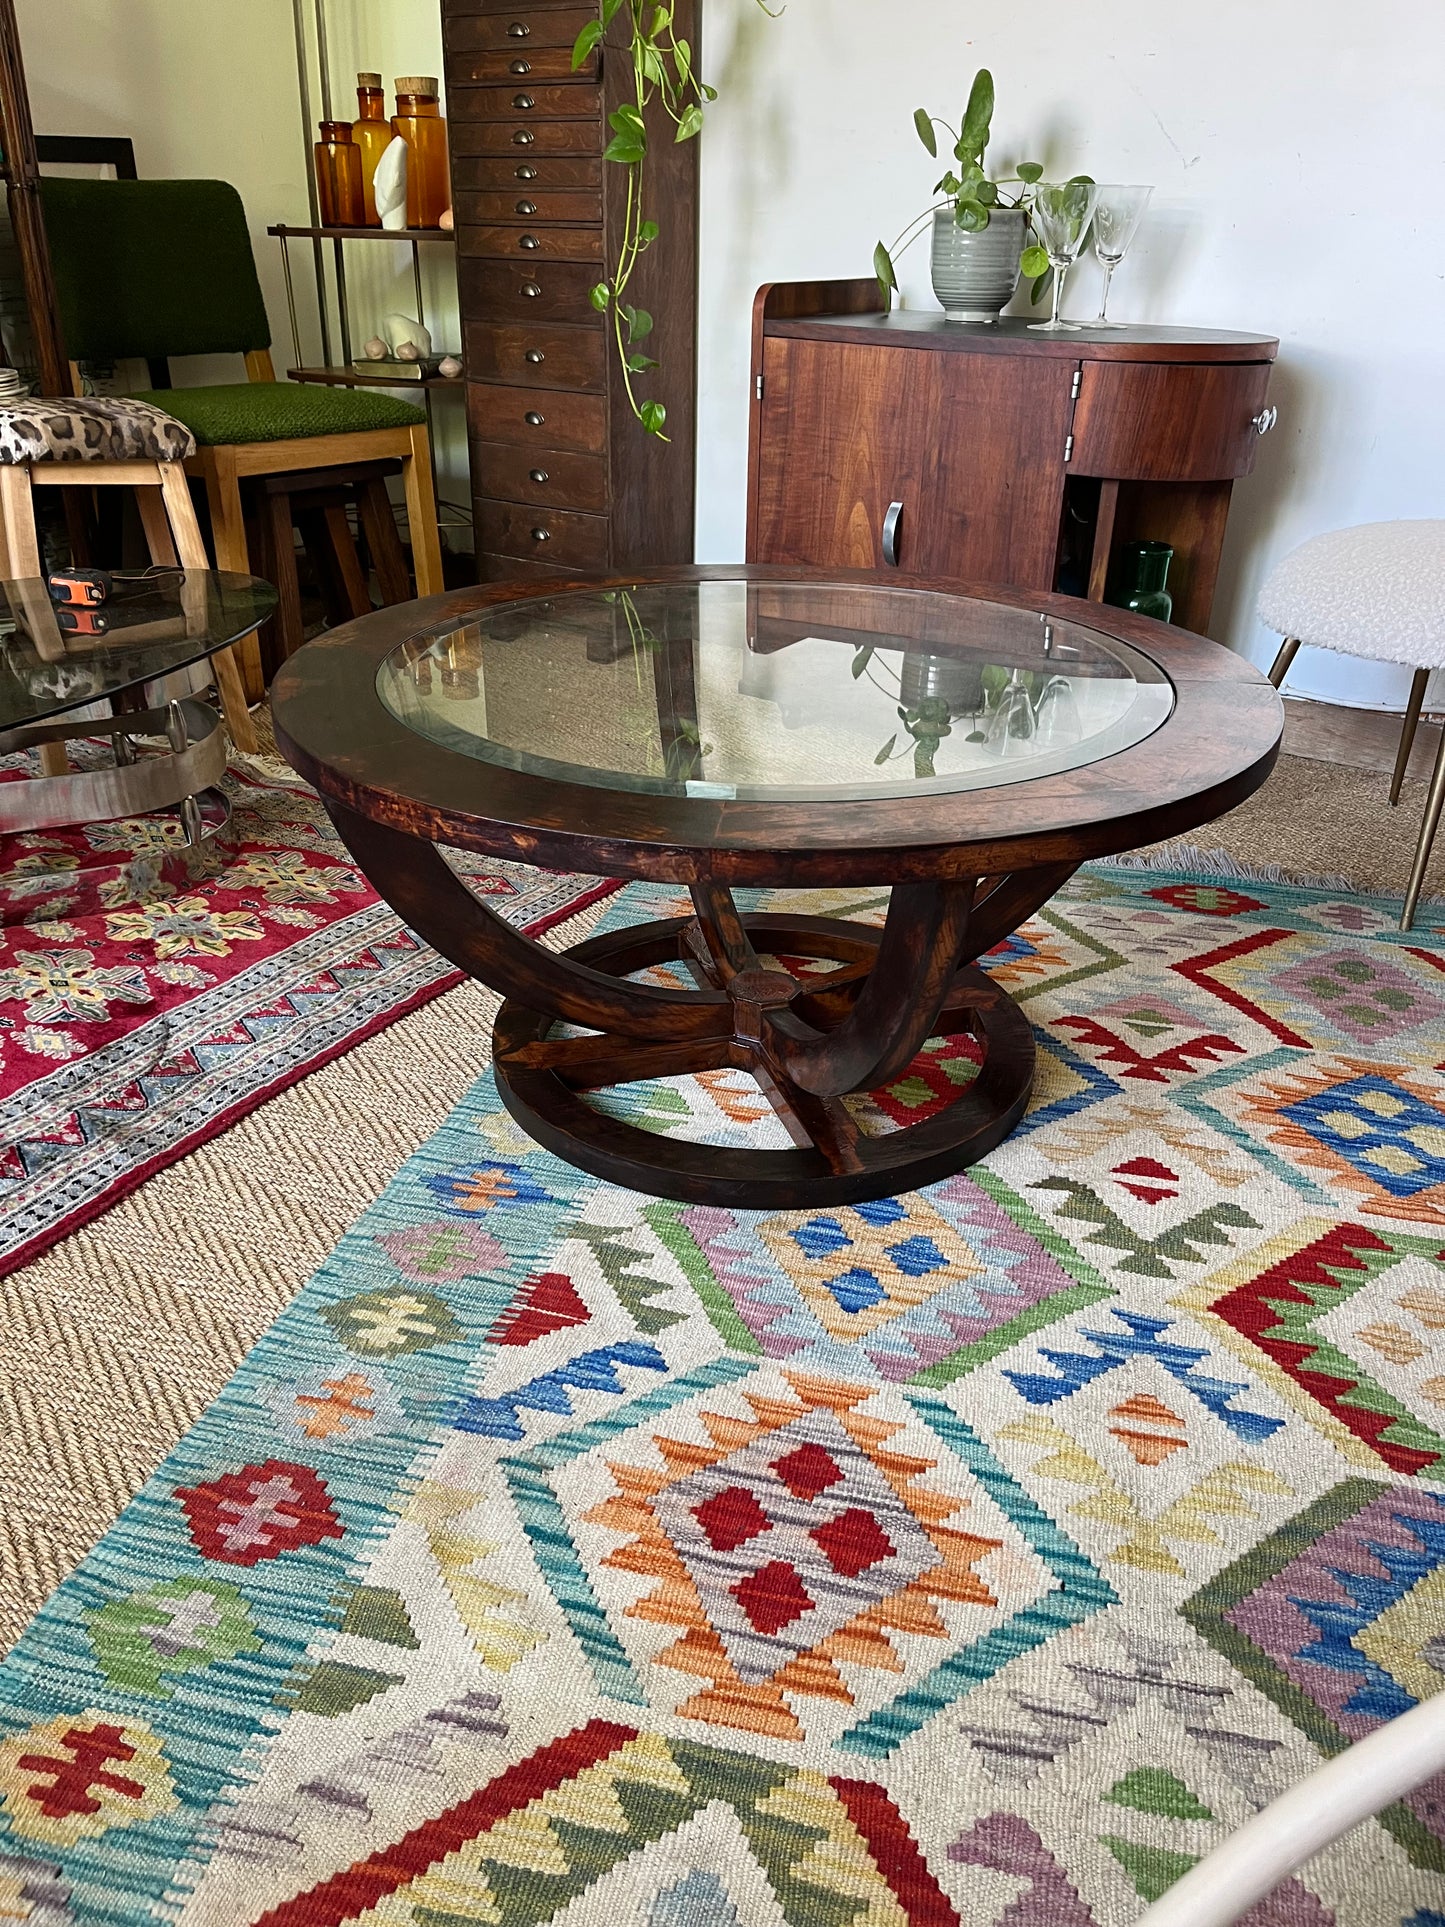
(1143, 571)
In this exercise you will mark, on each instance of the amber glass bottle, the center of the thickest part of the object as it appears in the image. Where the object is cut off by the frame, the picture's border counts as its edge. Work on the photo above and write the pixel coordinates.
(338, 176)
(418, 121)
(372, 134)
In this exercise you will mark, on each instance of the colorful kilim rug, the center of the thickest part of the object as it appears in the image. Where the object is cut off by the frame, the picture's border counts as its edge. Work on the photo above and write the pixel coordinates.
(979, 1556)
(146, 1002)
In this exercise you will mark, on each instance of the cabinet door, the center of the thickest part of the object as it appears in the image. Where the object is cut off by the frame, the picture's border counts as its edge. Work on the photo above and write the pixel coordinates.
(969, 446)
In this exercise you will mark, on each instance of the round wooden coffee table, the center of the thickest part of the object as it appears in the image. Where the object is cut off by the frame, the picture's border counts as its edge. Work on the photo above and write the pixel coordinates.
(713, 728)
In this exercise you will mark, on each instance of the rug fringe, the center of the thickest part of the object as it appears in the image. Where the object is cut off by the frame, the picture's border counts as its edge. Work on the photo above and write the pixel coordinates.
(1219, 863)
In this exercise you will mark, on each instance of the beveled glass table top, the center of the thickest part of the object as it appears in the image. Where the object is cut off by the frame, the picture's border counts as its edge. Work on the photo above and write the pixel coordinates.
(774, 691)
(154, 627)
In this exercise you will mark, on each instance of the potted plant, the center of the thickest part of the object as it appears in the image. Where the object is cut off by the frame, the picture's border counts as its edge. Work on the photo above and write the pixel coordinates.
(982, 239)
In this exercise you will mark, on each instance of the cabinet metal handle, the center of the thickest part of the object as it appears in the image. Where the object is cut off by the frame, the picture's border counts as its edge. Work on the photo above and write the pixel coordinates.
(535, 356)
(523, 137)
(520, 67)
(541, 535)
(526, 172)
(1265, 420)
(533, 419)
(531, 290)
(522, 102)
(518, 30)
(526, 207)
(529, 242)
(539, 476)
(890, 534)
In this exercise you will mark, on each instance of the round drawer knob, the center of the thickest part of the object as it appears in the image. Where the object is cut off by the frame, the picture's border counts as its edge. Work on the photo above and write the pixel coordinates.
(531, 290)
(533, 419)
(535, 356)
(529, 242)
(520, 67)
(522, 102)
(1265, 420)
(526, 207)
(541, 535)
(526, 172)
(523, 137)
(518, 30)
(539, 476)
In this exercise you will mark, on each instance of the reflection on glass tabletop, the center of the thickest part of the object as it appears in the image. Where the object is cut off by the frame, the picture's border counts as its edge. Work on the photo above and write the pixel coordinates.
(774, 691)
(152, 626)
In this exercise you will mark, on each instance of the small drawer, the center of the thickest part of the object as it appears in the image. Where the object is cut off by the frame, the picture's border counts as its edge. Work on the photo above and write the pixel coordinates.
(536, 357)
(1176, 421)
(557, 536)
(532, 241)
(522, 204)
(521, 100)
(514, 568)
(518, 64)
(517, 28)
(544, 478)
(540, 418)
(526, 173)
(517, 291)
(524, 140)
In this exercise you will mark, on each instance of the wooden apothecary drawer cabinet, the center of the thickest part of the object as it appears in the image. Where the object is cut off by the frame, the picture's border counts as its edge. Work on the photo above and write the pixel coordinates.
(563, 477)
(992, 453)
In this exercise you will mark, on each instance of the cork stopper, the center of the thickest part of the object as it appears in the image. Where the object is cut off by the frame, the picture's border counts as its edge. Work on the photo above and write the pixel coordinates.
(416, 84)
(372, 82)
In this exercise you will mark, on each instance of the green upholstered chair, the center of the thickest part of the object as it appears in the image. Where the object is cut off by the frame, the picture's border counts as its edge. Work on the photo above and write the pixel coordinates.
(149, 269)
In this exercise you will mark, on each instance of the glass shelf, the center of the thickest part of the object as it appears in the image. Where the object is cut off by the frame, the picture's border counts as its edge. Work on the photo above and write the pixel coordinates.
(349, 378)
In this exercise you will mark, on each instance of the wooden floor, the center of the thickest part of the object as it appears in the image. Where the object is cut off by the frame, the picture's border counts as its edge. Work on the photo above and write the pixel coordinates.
(1356, 738)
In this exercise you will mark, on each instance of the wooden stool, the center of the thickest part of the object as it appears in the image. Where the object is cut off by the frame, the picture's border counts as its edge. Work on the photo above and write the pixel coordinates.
(314, 502)
(94, 441)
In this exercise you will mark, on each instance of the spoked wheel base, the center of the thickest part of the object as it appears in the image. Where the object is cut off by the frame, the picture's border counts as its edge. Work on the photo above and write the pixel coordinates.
(543, 1080)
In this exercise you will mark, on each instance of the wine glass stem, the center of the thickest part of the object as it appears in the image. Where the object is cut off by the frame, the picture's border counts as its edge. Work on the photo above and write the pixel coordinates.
(1059, 273)
(1109, 267)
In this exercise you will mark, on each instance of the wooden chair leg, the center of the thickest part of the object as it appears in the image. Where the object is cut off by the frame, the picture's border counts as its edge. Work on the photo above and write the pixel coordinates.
(388, 558)
(217, 468)
(348, 562)
(1434, 802)
(17, 515)
(54, 761)
(153, 520)
(1279, 669)
(232, 692)
(1407, 732)
(421, 515)
(281, 557)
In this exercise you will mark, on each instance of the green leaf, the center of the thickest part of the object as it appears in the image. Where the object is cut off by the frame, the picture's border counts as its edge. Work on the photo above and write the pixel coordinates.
(1030, 171)
(887, 279)
(971, 216)
(625, 148)
(978, 115)
(950, 184)
(923, 121)
(639, 323)
(1034, 261)
(1081, 180)
(585, 42)
(626, 118)
(662, 17)
(709, 93)
(609, 11)
(647, 233)
(652, 65)
(887, 749)
(862, 659)
(653, 415)
(690, 124)
(1040, 288)
(682, 59)
(600, 297)
(639, 364)
(986, 194)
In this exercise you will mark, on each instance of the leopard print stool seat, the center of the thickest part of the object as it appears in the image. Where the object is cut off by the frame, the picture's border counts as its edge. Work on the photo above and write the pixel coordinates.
(91, 428)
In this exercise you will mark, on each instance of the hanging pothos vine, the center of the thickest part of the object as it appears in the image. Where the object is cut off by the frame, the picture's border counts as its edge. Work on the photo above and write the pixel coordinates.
(662, 71)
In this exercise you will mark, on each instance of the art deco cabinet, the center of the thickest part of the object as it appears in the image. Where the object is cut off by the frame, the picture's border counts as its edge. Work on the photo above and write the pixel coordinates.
(563, 477)
(991, 453)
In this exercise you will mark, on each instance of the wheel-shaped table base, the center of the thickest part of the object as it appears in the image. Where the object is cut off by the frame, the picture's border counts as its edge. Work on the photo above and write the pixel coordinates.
(545, 1088)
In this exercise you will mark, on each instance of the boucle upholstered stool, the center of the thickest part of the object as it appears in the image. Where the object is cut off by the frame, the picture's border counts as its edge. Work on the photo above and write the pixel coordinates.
(1378, 592)
(83, 442)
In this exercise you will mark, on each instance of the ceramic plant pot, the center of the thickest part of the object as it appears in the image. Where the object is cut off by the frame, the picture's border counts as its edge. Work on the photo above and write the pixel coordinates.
(976, 274)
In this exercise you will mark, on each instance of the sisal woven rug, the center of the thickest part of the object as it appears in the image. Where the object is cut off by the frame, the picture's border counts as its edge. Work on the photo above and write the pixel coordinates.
(982, 1555)
(148, 1000)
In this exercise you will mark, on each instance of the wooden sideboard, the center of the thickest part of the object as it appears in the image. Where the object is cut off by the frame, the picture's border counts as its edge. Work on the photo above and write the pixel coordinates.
(992, 453)
(563, 478)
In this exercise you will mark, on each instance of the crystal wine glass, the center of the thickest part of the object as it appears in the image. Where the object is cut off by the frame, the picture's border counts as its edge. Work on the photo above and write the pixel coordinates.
(1061, 213)
(1117, 214)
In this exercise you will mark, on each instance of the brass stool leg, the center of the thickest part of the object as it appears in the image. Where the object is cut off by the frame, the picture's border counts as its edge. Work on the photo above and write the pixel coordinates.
(1407, 733)
(1279, 669)
(1433, 805)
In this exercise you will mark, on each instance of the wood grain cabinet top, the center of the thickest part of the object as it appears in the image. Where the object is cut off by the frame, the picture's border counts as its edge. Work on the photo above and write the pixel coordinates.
(993, 453)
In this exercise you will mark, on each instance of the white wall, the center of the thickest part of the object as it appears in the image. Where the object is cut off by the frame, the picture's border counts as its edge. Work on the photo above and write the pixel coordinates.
(1299, 167)
(1295, 146)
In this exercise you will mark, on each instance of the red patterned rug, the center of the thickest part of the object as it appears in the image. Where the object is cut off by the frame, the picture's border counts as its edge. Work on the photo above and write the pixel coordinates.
(148, 1000)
